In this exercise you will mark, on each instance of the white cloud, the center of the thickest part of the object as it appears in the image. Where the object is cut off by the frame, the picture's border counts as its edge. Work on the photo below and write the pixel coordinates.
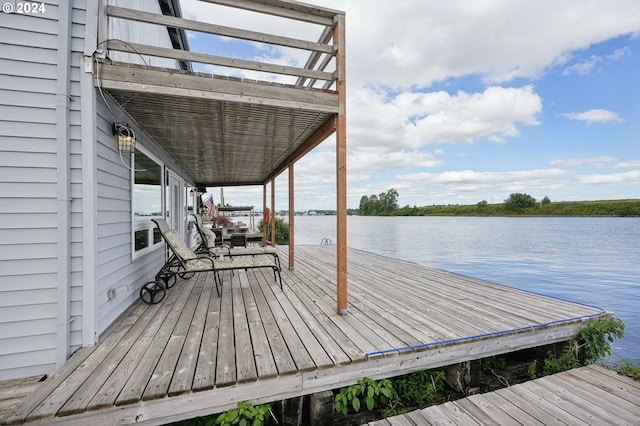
(498, 39)
(594, 116)
(574, 162)
(582, 68)
(631, 176)
(627, 164)
(412, 120)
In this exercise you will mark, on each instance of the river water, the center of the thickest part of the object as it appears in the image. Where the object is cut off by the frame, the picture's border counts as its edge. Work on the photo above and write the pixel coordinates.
(589, 260)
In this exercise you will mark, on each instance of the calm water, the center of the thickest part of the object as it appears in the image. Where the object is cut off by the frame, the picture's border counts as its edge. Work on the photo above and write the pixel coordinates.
(595, 261)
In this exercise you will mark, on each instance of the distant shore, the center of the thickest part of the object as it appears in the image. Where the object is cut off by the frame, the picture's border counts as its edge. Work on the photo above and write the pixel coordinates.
(601, 208)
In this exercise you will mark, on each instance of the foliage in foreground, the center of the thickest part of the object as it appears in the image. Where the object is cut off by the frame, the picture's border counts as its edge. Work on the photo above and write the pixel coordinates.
(594, 339)
(390, 395)
(282, 231)
(628, 368)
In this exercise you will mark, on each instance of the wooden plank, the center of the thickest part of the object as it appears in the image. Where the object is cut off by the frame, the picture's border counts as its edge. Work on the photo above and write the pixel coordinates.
(160, 380)
(456, 413)
(282, 357)
(203, 58)
(608, 384)
(203, 27)
(265, 364)
(184, 373)
(108, 393)
(494, 412)
(513, 409)
(177, 83)
(538, 413)
(313, 346)
(291, 10)
(46, 401)
(226, 359)
(593, 399)
(558, 414)
(135, 386)
(557, 394)
(82, 396)
(297, 349)
(204, 377)
(245, 358)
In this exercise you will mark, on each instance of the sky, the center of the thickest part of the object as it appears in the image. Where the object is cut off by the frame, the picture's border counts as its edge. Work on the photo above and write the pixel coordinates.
(457, 102)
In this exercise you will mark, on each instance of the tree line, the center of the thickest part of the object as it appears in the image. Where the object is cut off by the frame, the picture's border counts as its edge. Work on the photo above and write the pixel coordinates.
(517, 204)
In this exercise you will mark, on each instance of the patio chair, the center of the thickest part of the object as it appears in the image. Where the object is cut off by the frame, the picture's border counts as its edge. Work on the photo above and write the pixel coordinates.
(209, 241)
(184, 262)
(237, 249)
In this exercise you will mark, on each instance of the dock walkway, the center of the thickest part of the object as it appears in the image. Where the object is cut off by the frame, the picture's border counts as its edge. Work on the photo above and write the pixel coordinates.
(591, 395)
(197, 354)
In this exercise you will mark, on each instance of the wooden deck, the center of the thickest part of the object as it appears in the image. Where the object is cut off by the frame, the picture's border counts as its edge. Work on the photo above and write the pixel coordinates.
(196, 353)
(589, 395)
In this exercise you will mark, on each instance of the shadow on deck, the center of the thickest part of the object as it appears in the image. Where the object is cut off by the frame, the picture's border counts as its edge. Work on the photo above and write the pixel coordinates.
(196, 354)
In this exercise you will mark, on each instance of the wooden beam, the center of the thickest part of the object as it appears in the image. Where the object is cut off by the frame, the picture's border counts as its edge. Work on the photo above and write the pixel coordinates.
(264, 209)
(176, 83)
(203, 58)
(323, 132)
(186, 24)
(273, 212)
(284, 9)
(341, 168)
(292, 214)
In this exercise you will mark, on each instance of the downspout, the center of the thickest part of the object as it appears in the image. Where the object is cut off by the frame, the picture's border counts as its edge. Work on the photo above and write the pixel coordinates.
(63, 187)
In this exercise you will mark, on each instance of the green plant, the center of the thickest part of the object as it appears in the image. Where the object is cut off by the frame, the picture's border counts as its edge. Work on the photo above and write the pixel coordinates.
(282, 230)
(369, 391)
(533, 369)
(628, 368)
(494, 363)
(246, 414)
(598, 335)
(420, 387)
(566, 361)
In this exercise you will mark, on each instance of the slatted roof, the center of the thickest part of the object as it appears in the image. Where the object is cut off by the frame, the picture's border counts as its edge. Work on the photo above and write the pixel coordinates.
(224, 130)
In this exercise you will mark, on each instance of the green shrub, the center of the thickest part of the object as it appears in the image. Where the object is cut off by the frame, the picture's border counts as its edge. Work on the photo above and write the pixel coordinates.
(282, 231)
(246, 414)
(598, 336)
(369, 391)
(628, 368)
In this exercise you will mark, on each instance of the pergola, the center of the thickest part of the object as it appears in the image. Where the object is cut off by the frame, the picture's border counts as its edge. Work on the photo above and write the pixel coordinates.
(226, 131)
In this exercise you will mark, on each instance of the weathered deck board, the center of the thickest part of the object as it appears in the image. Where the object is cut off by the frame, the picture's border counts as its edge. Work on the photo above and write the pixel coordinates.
(589, 395)
(196, 353)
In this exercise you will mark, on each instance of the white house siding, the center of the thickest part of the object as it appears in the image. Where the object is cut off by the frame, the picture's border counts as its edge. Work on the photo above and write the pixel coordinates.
(28, 191)
(29, 206)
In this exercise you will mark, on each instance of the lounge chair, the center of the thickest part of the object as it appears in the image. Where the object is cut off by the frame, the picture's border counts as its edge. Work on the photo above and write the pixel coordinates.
(237, 249)
(184, 262)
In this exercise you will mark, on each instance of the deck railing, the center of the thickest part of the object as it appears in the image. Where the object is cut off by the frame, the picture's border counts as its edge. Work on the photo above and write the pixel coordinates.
(319, 71)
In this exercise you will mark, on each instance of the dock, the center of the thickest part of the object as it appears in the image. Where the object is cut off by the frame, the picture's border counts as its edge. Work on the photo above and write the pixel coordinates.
(196, 354)
(591, 395)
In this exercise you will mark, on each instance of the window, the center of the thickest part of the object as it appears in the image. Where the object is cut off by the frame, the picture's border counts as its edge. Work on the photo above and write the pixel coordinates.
(147, 202)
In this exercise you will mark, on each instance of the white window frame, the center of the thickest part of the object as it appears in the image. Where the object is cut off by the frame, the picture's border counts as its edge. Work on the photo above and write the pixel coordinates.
(139, 223)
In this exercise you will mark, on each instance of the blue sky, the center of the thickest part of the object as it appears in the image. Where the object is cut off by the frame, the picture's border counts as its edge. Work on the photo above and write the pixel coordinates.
(457, 102)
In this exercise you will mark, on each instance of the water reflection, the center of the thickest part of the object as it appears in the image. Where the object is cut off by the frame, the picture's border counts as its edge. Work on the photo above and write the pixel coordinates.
(594, 261)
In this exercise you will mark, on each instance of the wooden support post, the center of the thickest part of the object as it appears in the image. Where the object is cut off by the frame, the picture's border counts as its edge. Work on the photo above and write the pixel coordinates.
(273, 212)
(264, 209)
(341, 167)
(292, 214)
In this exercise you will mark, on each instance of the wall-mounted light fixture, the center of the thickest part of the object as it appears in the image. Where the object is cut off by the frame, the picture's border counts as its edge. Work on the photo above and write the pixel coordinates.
(125, 136)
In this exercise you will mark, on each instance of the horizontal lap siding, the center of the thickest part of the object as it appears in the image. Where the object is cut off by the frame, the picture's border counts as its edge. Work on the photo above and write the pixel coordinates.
(114, 265)
(28, 190)
(28, 207)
